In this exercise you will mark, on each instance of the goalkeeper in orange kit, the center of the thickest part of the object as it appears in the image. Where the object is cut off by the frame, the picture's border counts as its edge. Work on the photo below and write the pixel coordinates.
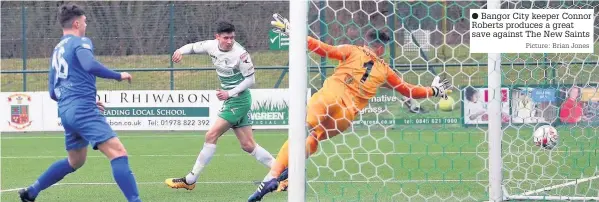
(332, 109)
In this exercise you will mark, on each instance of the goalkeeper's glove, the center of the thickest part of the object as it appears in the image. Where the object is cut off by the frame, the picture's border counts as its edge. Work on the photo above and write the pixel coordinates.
(440, 87)
(280, 25)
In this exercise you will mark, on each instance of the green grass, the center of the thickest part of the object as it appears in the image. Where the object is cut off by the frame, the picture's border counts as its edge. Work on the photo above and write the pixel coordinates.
(399, 165)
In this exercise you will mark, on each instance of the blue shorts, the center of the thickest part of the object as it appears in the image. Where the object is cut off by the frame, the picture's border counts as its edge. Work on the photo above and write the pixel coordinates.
(84, 126)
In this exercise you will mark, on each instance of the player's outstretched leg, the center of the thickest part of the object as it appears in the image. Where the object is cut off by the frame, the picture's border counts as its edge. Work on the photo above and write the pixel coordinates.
(92, 127)
(277, 180)
(56, 172)
(339, 119)
(263, 189)
(188, 182)
(121, 171)
(248, 144)
(283, 181)
(53, 174)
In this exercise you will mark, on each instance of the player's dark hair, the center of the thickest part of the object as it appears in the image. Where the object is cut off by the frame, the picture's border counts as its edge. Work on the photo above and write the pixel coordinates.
(375, 36)
(224, 27)
(68, 13)
(469, 93)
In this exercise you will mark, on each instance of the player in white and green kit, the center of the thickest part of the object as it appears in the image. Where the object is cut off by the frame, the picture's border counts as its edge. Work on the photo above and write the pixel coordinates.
(236, 74)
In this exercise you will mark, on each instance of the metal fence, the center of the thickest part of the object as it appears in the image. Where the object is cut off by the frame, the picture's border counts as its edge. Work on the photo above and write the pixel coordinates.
(140, 36)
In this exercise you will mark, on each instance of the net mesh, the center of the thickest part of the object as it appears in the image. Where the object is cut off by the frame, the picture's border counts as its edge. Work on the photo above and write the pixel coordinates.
(401, 149)
(557, 89)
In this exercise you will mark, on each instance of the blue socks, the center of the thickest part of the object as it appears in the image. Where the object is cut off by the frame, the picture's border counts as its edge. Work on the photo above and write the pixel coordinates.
(124, 178)
(53, 174)
(120, 170)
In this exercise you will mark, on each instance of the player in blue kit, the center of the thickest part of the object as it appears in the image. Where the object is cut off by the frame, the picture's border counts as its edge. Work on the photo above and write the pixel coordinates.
(72, 83)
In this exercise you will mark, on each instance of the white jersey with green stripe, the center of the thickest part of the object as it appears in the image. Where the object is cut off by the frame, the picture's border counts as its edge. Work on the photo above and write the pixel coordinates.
(231, 66)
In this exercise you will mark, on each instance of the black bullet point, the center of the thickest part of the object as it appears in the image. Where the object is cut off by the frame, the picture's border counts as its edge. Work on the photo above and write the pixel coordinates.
(474, 16)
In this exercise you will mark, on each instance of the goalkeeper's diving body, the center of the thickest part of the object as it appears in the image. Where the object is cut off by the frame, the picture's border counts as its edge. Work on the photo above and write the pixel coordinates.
(236, 73)
(331, 110)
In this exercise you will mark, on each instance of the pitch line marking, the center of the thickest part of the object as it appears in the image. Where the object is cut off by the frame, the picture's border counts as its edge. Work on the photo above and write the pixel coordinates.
(198, 135)
(313, 181)
(315, 156)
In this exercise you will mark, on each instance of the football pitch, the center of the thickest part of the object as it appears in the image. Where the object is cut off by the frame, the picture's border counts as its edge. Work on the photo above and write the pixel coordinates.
(446, 164)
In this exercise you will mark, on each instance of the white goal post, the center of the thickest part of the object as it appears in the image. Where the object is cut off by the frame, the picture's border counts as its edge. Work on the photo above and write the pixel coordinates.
(298, 82)
(495, 131)
(497, 189)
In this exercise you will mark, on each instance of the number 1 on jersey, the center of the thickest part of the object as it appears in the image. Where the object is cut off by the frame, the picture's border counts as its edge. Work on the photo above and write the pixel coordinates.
(368, 66)
(60, 64)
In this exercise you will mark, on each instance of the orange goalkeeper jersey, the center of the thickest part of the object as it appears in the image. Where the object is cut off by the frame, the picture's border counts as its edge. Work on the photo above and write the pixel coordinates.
(360, 73)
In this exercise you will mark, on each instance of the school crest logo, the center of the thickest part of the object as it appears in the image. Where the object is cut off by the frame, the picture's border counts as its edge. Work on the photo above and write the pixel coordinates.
(19, 111)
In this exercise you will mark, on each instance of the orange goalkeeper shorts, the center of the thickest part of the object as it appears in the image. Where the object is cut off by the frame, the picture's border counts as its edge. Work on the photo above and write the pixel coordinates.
(328, 115)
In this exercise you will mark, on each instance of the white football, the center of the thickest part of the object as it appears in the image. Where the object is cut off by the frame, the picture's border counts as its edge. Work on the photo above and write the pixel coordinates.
(546, 137)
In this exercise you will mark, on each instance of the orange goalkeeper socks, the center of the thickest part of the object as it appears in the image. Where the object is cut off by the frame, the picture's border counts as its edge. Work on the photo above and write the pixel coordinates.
(282, 160)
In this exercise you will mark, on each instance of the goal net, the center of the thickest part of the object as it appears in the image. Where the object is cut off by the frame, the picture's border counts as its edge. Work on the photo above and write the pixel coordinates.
(401, 149)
